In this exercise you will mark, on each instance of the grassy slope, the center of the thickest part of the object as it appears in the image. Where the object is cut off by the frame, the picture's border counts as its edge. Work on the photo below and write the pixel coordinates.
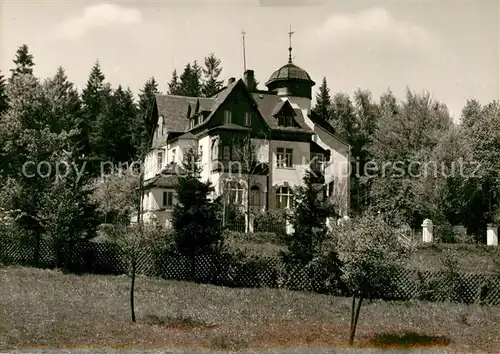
(49, 309)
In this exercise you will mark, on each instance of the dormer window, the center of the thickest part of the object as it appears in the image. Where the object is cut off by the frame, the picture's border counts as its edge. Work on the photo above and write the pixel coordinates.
(285, 121)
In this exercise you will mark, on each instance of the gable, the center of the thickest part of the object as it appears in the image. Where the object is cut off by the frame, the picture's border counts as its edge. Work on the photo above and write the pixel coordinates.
(234, 104)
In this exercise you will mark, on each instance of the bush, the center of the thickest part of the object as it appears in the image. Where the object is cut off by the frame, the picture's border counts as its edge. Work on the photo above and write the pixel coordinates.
(272, 221)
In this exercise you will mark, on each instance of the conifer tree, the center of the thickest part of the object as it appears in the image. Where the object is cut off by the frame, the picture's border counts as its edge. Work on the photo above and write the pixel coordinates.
(24, 62)
(309, 223)
(96, 97)
(174, 84)
(144, 123)
(190, 84)
(196, 218)
(113, 134)
(323, 102)
(4, 103)
(211, 72)
(66, 113)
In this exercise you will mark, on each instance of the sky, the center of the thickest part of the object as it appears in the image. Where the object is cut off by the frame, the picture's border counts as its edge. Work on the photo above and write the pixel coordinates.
(448, 48)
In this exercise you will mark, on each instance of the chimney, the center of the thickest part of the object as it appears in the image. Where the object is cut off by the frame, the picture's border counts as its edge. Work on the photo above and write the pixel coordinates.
(231, 80)
(249, 79)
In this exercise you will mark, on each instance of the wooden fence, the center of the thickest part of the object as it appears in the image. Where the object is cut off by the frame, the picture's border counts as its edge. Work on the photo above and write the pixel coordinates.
(107, 258)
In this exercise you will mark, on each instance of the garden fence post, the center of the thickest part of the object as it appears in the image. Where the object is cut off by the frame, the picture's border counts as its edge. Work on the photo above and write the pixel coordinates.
(492, 235)
(427, 229)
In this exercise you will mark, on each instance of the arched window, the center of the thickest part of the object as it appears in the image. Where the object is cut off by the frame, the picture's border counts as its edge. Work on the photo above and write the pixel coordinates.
(284, 198)
(235, 192)
(255, 195)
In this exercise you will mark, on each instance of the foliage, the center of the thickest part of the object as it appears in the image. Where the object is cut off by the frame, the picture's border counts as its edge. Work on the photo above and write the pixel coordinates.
(323, 102)
(145, 123)
(211, 72)
(4, 103)
(23, 61)
(196, 218)
(309, 223)
(403, 146)
(115, 193)
(371, 253)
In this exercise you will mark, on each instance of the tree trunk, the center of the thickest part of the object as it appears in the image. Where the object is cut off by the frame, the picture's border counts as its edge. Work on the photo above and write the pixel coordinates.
(354, 321)
(132, 286)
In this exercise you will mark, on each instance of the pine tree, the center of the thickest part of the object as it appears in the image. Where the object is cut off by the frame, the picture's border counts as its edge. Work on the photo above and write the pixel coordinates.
(4, 102)
(113, 129)
(24, 62)
(211, 72)
(309, 223)
(66, 109)
(96, 97)
(174, 84)
(144, 123)
(196, 218)
(190, 84)
(323, 102)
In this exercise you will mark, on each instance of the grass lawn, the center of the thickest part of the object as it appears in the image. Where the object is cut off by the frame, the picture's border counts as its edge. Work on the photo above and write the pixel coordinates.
(45, 308)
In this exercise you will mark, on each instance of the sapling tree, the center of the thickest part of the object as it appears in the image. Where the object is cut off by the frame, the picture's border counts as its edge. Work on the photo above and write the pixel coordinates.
(371, 253)
(245, 153)
(133, 241)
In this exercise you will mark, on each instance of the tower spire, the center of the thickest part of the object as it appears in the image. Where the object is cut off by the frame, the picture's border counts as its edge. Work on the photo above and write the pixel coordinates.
(244, 55)
(290, 44)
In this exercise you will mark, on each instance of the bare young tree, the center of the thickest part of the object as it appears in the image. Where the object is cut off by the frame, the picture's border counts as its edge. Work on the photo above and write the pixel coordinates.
(245, 154)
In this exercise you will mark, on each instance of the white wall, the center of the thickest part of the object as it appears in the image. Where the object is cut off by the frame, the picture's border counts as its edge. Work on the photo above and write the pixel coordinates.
(301, 154)
(338, 169)
(206, 158)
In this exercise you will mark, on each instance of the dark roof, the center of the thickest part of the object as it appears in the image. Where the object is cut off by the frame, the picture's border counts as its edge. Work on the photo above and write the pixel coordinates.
(231, 126)
(326, 126)
(279, 107)
(290, 71)
(175, 109)
(267, 105)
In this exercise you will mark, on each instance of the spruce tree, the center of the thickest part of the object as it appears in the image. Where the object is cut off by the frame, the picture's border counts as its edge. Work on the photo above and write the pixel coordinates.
(196, 218)
(211, 72)
(4, 102)
(190, 84)
(174, 84)
(113, 133)
(144, 122)
(323, 102)
(96, 97)
(24, 62)
(309, 223)
(67, 111)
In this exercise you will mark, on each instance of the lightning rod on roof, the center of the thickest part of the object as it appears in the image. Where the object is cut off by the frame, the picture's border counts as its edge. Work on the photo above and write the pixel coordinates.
(244, 56)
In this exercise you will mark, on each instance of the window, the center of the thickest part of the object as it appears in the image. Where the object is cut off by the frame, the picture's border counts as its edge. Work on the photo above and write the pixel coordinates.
(173, 155)
(226, 153)
(200, 152)
(255, 196)
(215, 149)
(330, 189)
(284, 158)
(284, 198)
(168, 198)
(317, 162)
(235, 192)
(159, 162)
(248, 118)
(227, 117)
(285, 121)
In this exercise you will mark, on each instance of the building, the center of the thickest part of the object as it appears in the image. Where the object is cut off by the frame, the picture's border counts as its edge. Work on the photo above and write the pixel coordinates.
(287, 137)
